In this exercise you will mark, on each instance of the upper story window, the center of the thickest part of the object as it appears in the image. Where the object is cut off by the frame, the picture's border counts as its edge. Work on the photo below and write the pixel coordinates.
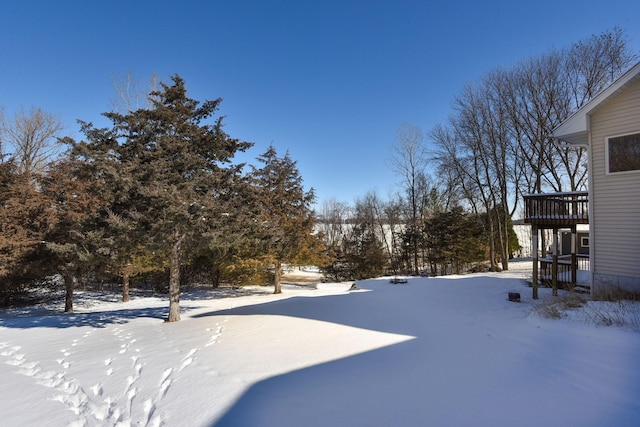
(623, 153)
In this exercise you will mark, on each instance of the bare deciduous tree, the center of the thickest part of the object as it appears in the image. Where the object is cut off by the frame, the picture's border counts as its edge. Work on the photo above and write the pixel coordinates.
(131, 93)
(409, 157)
(498, 143)
(332, 222)
(32, 136)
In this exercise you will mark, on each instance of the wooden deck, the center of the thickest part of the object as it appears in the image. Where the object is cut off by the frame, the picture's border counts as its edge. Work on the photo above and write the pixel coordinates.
(564, 272)
(556, 210)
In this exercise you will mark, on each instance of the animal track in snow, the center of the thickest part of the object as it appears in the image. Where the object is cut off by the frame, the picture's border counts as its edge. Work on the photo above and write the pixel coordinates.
(68, 391)
(16, 358)
(94, 405)
(215, 337)
(50, 379)
(165, 382)
(188, 359)
(149, 408)
(96, 389)
(29, 369)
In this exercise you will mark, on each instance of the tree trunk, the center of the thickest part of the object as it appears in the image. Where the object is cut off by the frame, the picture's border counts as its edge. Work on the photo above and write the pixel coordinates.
(277, 288)
(125, 286)
(174, 277)
(416, 270)
(69, 284)
(492, 245)
(503, 230)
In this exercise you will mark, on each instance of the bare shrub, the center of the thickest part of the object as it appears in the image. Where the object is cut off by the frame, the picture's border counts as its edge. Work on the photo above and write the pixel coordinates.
(620, 309)
(624, 313)
(555, 307)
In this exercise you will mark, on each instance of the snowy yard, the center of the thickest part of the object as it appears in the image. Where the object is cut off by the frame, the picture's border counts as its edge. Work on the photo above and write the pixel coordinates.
(450, 351)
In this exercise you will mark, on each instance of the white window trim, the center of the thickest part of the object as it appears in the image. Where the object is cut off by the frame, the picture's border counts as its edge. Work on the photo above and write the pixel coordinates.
(606, 155)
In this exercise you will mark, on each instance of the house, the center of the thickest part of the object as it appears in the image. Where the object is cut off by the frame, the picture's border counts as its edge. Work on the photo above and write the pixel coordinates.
(609, 127)
(523, 232)
(582, 244)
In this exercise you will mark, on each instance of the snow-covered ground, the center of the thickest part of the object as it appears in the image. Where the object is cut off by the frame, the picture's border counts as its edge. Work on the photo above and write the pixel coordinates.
(450, 351)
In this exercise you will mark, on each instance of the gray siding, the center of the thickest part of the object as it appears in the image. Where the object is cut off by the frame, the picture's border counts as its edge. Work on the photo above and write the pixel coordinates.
(615, 198)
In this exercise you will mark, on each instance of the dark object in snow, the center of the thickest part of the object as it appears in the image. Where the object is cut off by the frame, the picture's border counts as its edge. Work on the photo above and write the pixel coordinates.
(514, 296)
(397, 281)
(354, 287)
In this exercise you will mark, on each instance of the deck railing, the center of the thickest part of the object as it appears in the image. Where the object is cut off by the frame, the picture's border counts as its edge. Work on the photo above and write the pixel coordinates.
(559, 209)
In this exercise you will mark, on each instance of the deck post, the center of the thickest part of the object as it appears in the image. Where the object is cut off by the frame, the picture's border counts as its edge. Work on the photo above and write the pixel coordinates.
(534, 249)
(554, 268)
(574, 256)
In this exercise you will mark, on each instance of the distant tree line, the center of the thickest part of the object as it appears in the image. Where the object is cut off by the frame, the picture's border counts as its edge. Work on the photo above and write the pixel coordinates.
(495, 147)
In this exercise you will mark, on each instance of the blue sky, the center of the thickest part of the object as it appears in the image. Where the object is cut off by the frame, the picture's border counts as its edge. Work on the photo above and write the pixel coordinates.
(330, 81)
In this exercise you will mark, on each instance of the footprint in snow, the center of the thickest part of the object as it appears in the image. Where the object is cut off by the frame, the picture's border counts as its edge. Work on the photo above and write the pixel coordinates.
(165, 382)
(16, 359)
(51, 379)
(30, 369)
(188, 359)
(96, 389)
(13, 353)
(186, 362)
(149, 408)
(215, 337)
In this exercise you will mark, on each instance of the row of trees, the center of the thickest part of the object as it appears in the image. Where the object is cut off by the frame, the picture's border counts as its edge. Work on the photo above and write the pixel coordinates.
(496, 146)
(374, 237)
(156, 191)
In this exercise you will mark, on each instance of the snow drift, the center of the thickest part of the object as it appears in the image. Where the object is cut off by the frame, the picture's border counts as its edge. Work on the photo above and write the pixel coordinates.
(447, 351)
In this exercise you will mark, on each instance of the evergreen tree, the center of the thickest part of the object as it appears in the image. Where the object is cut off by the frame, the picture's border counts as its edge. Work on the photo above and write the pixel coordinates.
(123, 238)
(365, 254)
(24, 219)
(170, 174)
(454, 239)
(284, 215)
(72, 240)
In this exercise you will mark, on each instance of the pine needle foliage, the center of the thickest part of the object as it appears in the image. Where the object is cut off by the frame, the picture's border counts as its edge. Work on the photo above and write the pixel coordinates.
(168, 175)
(284, 217)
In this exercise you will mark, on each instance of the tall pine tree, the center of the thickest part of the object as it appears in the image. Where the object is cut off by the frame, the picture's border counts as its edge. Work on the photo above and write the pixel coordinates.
(174, 180)
(284, 214)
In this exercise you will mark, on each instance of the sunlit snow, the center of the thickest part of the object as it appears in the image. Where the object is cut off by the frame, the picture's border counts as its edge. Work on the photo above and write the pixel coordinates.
(432, 352)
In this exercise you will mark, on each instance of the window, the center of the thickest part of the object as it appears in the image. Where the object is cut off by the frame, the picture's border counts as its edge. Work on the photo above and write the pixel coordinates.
(584, 241)
(623, 153)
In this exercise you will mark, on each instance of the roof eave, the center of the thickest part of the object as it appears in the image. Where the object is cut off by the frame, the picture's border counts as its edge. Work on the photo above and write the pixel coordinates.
(575, 129)
(580, 139)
